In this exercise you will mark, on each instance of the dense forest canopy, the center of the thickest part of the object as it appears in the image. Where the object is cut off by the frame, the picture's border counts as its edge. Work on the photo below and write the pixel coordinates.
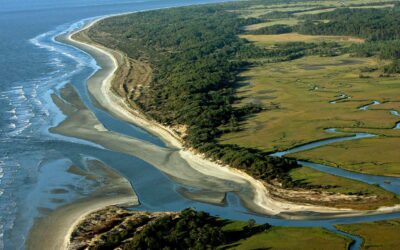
(380, 28)
(372, 24)
(272, 30)
(190, 230)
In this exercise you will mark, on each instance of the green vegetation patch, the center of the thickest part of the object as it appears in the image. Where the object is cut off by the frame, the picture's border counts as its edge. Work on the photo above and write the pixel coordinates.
(376, 235)
(335, 184)
(116, 228)
(289, 238)
(301, 81)
(359, 156)
(382, 24)
(293, 89)
(288, 22)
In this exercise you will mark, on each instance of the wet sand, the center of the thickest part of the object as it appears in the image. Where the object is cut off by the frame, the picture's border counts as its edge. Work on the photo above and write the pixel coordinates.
(53, 230)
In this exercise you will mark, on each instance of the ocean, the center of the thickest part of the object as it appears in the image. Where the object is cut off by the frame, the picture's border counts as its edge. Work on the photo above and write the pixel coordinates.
(34, 176)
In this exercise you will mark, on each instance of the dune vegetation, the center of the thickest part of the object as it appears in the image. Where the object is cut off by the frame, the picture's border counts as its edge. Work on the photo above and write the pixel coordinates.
(113, 227)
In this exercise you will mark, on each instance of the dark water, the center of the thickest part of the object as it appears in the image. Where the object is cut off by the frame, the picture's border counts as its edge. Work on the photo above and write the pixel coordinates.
(33, 162)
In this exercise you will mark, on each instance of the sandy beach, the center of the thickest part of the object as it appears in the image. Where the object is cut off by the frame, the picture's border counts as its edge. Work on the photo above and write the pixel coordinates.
(110, 101)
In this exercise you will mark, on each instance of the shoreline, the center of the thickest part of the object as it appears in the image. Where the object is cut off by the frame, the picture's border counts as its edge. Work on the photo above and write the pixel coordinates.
(53, 230)
(117, 106)
(57, 227)
(120, 108)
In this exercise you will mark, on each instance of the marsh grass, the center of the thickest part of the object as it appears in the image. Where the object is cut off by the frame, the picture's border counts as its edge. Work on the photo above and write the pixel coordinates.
(376, 235)
(288, 238)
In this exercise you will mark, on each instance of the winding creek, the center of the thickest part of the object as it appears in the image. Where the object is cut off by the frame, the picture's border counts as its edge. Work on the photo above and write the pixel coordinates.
(340, 98)
(396, 113)
(388, 183)
(45, 158)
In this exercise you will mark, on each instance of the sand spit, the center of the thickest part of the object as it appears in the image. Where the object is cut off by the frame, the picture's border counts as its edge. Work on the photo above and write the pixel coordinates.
(53, 231)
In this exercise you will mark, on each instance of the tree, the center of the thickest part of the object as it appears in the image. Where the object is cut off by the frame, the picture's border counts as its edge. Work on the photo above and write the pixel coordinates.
(251, 223)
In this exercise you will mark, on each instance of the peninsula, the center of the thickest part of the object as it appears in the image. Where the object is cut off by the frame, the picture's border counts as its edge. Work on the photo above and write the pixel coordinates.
(258, 94)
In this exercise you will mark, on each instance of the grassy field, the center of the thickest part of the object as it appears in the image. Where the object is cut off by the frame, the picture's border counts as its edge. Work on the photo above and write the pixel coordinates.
(332, 9)
(378, 156)
(376, 235)
(288, 238)
(288, 21)
(298, 96)
(302, 8)
(294, 89)
(374, 6)
(311, 12)
(337, 184)
(266, 40)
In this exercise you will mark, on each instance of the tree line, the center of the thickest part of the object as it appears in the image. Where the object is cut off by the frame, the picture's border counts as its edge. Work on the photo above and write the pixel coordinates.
(380, 28)
(373, 24)
(190, 230)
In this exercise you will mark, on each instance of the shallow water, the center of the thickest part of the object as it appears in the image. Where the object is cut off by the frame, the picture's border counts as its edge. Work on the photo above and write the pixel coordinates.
(395, 113)
(366, 107)
(34, 163)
